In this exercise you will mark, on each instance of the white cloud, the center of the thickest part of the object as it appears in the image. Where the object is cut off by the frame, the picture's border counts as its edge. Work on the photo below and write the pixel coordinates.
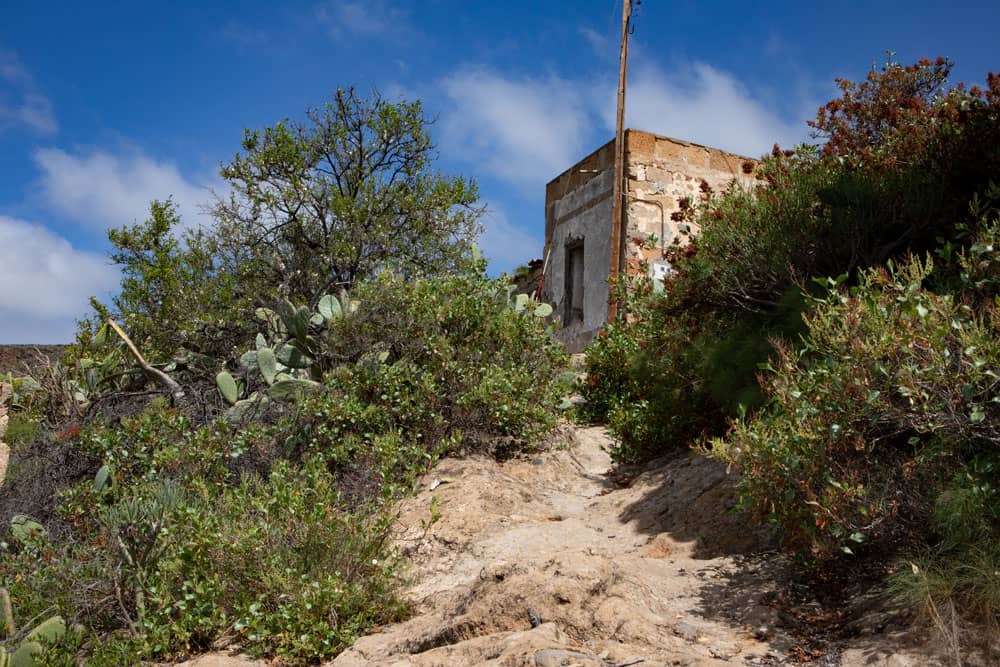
(705, 105)
(598, 42)
(364, 18)
(21, 102)
(527, 130)
(46, 283)
(103, 190)
(523, 130)
(505, 245)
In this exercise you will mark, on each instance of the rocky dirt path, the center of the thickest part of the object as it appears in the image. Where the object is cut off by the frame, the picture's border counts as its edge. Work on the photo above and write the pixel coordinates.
(553, 541)
(556, 561)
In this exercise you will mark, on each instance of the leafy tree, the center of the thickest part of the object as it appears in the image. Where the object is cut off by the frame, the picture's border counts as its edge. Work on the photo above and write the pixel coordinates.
(885, 119)
(349, 193)
(173, 293)
(312, 207)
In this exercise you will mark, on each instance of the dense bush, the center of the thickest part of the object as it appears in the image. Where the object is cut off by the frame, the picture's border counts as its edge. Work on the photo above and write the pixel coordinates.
(861, 411)
(667, 374)
(903, 159)
(458, 356)
(173, 529)
(165, 568)
(893, 389)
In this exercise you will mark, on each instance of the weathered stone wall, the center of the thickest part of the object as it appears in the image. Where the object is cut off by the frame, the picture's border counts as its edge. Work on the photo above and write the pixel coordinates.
(578, 209)
(664, 170)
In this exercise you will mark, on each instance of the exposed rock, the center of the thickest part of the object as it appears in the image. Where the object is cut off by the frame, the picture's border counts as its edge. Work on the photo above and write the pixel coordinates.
(5, 394)
(222, 660)
(589, 554)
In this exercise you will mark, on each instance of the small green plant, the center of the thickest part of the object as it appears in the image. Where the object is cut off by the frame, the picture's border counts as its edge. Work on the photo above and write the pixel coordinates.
(21, 430)
(136, 526)
(30, 644)
(434, 516)
(290, 360)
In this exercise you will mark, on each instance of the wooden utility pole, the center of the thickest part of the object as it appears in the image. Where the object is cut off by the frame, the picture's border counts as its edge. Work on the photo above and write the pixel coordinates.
(618, 193)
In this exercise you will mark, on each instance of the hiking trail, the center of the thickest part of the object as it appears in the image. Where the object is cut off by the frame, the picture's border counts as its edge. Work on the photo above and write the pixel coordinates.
(558, 559)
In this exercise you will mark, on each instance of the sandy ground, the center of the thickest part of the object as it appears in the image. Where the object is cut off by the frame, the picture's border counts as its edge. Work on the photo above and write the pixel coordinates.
(557, 561)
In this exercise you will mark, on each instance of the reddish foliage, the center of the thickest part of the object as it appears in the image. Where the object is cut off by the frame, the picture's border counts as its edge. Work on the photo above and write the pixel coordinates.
(904, 115)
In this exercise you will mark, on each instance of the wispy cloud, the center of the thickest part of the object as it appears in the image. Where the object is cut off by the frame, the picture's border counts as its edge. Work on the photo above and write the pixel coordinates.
(46, 283)
(22, 104)
(598, 42)
(504, 244)
(102, 189)
(523, 130)
(364, 18)
(703, 104)
(526, 130)
(244, 36)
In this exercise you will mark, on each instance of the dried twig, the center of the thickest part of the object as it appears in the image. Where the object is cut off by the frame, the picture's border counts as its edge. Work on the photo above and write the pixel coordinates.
(176, 392)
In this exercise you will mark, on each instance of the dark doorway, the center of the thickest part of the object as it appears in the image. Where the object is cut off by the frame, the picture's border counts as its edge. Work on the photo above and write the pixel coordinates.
(574, 283)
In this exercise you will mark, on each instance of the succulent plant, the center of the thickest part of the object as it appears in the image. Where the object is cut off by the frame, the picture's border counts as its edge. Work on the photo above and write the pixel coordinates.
(104, 480)
(524, 302)
(228, 387)
(288, 363)
(25, 529)
(17, 392)
(267, 363)
(289, 388)
(29, 651)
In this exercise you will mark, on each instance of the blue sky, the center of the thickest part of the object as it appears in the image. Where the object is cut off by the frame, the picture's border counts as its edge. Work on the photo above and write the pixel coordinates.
(105, 106)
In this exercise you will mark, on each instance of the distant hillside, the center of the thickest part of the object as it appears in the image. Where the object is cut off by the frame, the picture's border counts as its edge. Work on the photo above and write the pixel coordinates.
(14, 358)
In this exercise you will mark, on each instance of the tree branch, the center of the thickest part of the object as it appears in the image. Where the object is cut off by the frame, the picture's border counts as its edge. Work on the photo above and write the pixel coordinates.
(176, 392)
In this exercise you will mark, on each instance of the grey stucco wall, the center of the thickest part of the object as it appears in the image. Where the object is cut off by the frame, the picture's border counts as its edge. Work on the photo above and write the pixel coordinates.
(583, 214)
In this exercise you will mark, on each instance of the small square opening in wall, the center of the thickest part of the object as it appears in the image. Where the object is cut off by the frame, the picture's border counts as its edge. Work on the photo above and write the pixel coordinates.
(574, 283)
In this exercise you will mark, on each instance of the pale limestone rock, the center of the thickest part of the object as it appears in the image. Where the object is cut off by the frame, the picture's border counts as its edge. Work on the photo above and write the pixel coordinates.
(5, 393)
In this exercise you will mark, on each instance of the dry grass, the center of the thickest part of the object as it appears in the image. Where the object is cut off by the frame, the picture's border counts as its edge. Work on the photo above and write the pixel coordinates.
(17, 359)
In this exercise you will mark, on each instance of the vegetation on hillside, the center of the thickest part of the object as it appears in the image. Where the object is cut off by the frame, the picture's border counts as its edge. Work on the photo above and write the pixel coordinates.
(832, 335)
(282, 377)
(225, 466)
(312, 207)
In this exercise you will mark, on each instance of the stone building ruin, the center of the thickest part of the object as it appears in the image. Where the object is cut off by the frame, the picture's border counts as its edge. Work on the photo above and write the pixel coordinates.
(659, 171)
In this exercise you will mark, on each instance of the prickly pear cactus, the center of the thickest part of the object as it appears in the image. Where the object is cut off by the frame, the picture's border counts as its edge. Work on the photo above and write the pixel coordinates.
(29, 652)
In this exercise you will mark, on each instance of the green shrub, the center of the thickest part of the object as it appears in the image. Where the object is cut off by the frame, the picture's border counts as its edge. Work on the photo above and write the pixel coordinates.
(195, 529)
(893, 390)
(667, 375)
(610, 363)
(165, 569)
(449, 356)
(903, 161)
(957, 577)
(257, 559)
(21, 430)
